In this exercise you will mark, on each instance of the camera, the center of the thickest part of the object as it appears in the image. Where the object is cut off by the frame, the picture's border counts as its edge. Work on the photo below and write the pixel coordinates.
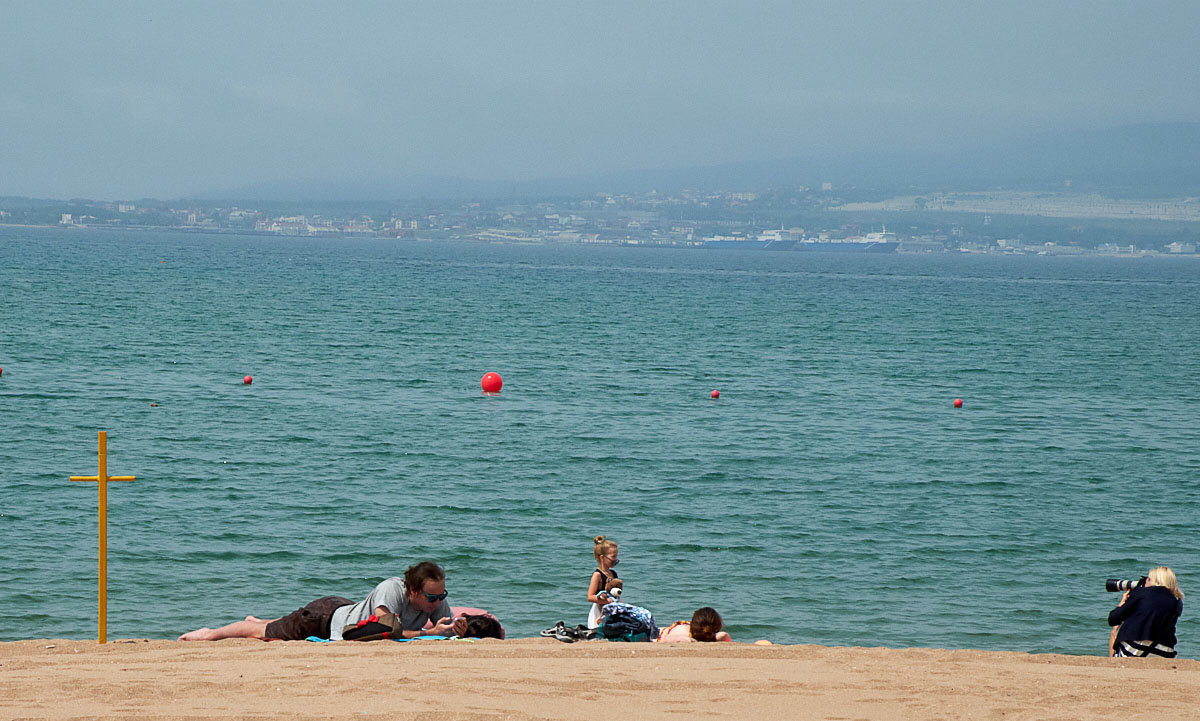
(1116, 585)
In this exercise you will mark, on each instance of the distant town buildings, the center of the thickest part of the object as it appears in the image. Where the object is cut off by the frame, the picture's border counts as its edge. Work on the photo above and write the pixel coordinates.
(775, 218)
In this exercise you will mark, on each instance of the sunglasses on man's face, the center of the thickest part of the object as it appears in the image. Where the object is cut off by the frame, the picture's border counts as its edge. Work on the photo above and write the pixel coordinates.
(435, 597)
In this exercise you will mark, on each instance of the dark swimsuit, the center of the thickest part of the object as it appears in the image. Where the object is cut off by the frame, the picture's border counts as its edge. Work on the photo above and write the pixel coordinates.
(606, 578)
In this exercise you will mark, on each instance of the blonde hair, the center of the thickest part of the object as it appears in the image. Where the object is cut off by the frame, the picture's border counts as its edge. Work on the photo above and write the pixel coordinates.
(1165, 577)
(601, 545)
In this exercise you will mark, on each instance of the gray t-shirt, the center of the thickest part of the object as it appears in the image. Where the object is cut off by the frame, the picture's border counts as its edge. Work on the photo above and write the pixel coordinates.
(391, 594)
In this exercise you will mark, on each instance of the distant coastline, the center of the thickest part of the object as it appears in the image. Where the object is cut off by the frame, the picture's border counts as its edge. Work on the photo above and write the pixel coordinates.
(801, 218)
(905, 248)
(1050, 205)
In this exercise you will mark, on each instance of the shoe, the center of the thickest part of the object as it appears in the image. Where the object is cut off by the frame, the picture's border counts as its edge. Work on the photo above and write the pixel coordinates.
(565, 636)
(583, 633)
(554, 630)
(580, 632)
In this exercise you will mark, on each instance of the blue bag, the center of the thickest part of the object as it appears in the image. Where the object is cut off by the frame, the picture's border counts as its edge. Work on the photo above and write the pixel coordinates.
(626, 622)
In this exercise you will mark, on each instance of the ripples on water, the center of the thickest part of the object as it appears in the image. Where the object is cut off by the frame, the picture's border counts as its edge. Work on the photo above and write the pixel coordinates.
(832, 495)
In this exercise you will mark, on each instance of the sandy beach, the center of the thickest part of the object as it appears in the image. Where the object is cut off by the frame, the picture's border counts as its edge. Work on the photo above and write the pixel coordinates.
(547, 679)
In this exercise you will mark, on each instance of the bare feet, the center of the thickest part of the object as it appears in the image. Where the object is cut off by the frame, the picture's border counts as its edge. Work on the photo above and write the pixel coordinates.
(252, 627)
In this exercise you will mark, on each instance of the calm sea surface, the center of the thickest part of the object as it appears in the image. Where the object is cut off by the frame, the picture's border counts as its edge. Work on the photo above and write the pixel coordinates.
(832, 495)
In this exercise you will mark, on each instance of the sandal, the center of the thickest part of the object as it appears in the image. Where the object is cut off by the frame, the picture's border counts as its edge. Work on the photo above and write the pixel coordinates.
(583, 633)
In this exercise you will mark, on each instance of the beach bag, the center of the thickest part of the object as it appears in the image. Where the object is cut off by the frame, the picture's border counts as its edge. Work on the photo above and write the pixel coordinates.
(374, 628)
(626, 622)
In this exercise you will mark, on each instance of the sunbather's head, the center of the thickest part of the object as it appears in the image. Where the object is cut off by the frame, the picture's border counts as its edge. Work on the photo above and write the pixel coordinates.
(480, 626)
(706, 624)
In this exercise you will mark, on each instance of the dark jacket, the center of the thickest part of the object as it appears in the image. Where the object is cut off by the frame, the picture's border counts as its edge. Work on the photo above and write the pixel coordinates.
(1149, 615)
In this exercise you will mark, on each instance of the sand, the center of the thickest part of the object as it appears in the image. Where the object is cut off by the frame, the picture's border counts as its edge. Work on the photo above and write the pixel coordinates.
(596, 681)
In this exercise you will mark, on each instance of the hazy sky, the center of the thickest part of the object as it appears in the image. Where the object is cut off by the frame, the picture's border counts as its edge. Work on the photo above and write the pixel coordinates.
(123, 99)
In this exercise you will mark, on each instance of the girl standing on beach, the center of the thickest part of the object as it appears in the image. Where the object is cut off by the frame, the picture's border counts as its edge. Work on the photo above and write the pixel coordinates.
(605, 551)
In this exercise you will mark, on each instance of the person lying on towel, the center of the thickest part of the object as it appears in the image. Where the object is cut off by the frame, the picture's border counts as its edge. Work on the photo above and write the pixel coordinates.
(417, 599)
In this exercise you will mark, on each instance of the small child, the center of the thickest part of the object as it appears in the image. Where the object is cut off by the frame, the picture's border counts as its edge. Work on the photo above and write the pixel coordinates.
(706, 625)
(605, 551)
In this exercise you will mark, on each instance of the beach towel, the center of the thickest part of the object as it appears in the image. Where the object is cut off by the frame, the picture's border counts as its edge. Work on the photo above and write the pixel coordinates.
(318, 639)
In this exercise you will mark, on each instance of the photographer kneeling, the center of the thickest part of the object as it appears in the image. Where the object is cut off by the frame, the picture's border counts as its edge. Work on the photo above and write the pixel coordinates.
(1146, 617)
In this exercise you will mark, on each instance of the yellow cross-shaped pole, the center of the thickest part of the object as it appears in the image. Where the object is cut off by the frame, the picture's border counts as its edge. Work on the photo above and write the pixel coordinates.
(102, 478)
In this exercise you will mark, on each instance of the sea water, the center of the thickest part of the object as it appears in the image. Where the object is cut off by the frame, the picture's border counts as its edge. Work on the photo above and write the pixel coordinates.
(831, 495)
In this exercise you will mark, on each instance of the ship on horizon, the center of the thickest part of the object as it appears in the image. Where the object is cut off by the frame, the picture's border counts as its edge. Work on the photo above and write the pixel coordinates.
(873, 242)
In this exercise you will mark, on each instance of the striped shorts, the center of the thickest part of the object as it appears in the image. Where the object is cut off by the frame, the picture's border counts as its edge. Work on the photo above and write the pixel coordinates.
(1141, 649)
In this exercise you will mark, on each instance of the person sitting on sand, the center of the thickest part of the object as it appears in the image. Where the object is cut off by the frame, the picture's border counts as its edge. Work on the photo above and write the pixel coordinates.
(706, 625)
(415, 599)
(1146, 617)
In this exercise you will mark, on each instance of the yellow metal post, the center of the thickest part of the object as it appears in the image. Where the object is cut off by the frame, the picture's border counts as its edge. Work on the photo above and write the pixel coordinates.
(102, 478)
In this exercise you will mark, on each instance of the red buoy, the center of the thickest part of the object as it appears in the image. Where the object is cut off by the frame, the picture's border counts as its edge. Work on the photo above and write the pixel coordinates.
(1, 371)
(715, 395)
(958, 402)
(491, 382)
(247, 380)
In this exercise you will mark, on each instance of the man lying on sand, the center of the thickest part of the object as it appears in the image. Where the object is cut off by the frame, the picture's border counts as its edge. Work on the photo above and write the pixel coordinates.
(415, 599)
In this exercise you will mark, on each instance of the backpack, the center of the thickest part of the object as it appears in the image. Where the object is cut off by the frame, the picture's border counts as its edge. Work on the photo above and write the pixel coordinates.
(626, 622)
(374, 628)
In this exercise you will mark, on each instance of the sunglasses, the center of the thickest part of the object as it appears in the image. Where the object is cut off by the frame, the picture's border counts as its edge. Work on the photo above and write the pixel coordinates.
(435, 597)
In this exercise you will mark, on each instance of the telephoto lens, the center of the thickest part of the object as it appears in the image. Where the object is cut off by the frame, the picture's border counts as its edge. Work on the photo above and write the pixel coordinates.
(1114, 585)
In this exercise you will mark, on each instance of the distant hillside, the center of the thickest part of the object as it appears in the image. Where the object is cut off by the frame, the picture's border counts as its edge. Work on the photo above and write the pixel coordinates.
(1152, 159)
(1158, 159)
